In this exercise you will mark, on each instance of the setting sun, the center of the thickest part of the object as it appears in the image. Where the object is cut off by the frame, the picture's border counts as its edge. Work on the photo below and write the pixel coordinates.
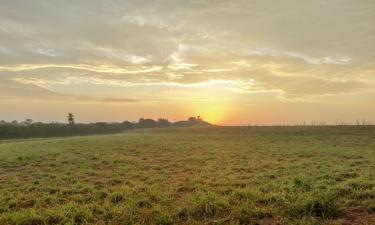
(212, 113)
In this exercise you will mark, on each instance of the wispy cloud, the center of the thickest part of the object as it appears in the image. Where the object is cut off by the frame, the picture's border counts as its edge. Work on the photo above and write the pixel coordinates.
(92, 68)
(295, 55)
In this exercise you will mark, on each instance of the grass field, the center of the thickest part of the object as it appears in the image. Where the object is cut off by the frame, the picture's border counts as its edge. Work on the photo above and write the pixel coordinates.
(208, 175)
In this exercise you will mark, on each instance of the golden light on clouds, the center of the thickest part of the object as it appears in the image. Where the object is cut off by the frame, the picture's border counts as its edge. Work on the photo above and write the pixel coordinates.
(228, 61)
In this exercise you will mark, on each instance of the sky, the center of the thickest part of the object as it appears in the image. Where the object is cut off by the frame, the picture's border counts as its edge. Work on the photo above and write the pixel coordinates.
(232, 62)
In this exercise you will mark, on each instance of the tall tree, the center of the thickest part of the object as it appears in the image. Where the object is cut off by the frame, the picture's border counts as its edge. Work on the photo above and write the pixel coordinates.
(71, 119)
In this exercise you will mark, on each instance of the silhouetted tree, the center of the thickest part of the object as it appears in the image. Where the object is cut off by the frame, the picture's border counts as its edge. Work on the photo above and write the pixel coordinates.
(181, 123)
(164, 123)
(128, 125)
(147, 123)
(194, 121)
(200, 120)
(28, 121)
(38, 129)
(70, 119)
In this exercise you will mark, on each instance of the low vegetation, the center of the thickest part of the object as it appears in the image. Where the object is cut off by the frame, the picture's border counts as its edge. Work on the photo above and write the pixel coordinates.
(197, 175)
(30, 129)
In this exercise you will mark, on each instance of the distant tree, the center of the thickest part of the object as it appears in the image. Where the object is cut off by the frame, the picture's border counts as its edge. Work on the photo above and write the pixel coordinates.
(71, 119)
(181, 124)
(28, 121)
(54, 129)
(128, 125)
(163, 123)
(147, 123)
(3, 122)
(194, 121)
(200, 120)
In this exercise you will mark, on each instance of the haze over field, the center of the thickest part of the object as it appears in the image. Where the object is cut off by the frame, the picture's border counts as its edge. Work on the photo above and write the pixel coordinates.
(232, 62)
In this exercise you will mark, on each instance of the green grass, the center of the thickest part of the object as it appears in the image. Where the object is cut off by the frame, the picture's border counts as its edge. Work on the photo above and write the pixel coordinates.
(211, 175)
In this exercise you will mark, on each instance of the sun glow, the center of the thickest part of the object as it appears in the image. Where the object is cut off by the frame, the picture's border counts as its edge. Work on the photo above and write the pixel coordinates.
(213, 113)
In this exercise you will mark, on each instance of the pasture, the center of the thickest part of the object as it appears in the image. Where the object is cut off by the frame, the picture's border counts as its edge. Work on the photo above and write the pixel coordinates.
(201, 175)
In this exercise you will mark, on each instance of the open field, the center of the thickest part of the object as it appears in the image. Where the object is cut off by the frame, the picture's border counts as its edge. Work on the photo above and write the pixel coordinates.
(208, 175)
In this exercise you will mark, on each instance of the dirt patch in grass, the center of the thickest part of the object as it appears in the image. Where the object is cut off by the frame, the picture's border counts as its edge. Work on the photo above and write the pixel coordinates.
(268, 221)
(358, 216)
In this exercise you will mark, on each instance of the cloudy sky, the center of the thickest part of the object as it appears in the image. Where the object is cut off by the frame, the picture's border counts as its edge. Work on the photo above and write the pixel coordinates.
(232, 62)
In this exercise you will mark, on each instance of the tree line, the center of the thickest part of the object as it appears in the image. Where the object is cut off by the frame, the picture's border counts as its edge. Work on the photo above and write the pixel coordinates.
(28, 128)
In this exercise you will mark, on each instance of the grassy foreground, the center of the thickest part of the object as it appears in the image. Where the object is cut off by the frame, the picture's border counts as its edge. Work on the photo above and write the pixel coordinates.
(211, 175)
